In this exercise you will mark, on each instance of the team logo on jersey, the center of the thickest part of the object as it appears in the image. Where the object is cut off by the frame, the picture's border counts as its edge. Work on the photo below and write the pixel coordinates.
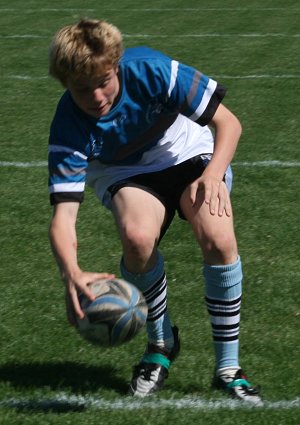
(118, 121)
(154, 109)
(95, 147)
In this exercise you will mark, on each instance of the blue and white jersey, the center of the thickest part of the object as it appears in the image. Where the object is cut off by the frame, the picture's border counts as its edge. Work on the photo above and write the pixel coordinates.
(160, 120)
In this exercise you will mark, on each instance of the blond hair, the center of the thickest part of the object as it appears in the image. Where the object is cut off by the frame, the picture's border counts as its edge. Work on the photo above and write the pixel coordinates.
(87, 48)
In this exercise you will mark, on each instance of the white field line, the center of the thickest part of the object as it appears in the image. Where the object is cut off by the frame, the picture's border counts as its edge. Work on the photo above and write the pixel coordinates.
(228, 77)
(169, 9)
(211, 35)
(63, 401)
(25, 36)
(26, 77)
(271, 163)
(274, 163)
(32, 164)
(145, 36)
(258, 76)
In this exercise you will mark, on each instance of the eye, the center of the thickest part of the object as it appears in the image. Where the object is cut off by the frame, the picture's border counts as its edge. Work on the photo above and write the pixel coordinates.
(104, 83)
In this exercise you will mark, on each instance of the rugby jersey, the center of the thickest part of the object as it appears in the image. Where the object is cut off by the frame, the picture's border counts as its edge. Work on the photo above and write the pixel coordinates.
(150, 128)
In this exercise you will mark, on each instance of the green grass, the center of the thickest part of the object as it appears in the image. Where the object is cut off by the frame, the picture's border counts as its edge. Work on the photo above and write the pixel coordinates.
(42, 359)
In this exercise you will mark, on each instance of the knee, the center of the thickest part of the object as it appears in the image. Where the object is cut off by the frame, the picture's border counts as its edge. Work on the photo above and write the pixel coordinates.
(219, 248)
(138, 242)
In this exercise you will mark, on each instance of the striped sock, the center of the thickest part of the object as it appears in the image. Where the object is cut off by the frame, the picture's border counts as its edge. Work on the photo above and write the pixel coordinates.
(153, 285)
(223, 300)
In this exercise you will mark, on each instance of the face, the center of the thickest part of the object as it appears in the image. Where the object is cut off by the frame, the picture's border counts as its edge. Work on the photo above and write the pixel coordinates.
(95, 96)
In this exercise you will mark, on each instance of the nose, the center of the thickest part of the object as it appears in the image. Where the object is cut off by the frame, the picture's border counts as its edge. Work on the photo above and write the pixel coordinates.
(98, 95)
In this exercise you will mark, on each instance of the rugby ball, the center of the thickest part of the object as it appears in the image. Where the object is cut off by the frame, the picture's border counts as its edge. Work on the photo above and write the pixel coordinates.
(117, 314)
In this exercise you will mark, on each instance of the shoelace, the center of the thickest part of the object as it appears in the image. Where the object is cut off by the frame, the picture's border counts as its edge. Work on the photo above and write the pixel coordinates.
(241, 380)
(145, 370)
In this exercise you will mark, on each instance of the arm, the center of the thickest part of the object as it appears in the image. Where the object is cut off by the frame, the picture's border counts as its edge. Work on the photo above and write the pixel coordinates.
(227, 133)
(63, 240)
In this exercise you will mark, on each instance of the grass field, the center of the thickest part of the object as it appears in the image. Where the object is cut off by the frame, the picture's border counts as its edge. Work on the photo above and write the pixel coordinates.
(48, 375)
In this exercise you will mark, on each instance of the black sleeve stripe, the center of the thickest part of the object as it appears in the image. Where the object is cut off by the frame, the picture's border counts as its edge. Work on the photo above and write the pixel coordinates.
(57, 198)
(212, 106)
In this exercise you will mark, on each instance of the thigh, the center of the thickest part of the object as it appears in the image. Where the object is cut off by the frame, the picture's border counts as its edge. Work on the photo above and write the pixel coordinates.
(139, 216)
(215, 234)
(133, 204)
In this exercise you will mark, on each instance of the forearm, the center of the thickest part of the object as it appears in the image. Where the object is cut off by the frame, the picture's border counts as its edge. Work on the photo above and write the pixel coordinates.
(63, 241)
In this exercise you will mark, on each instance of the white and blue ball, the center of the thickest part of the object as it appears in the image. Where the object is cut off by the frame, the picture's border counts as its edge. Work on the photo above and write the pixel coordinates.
(117, 314)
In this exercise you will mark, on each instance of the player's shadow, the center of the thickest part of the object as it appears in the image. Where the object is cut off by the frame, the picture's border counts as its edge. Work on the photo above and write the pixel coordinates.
(59, 377)
(76, 377)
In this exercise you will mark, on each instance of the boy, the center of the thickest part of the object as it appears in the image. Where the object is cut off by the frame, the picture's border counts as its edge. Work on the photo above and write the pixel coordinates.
(135, 125)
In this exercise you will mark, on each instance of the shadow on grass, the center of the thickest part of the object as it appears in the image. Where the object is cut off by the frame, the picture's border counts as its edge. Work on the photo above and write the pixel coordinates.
(72, 377)
(62, 376)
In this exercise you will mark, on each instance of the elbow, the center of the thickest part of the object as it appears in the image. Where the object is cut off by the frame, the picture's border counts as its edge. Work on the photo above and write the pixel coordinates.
(239, 128)
(235, 125)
